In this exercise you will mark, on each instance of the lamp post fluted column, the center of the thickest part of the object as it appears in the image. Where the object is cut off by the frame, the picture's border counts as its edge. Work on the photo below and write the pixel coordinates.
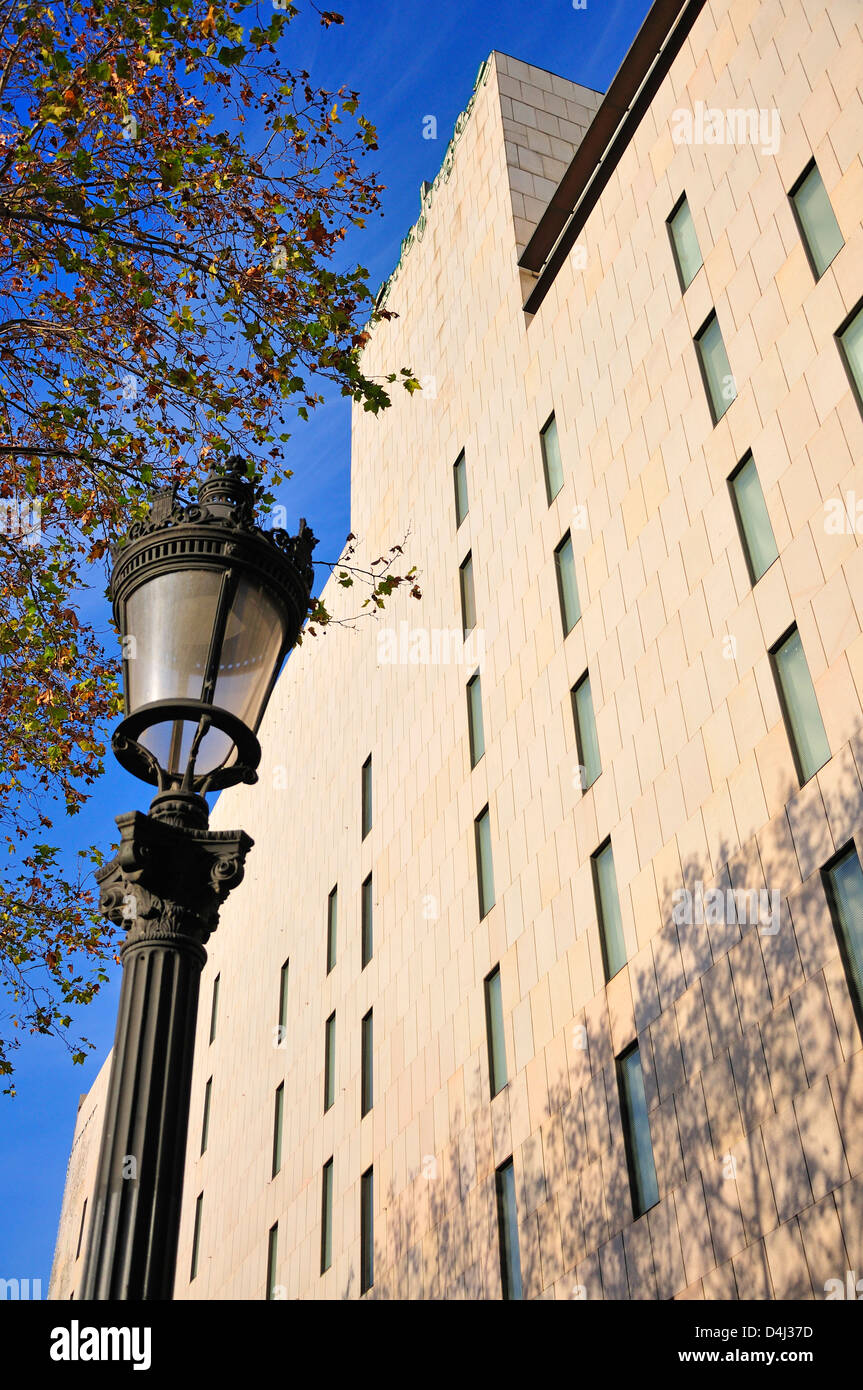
(166, 885)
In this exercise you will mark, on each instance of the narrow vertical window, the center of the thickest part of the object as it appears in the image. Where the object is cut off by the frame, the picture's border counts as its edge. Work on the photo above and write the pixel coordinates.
(476, 733)
(586, 741)
(283, 1002)
(485, 877)
(330, 1062)
(850, 338)
(468, 602)
(844, 883)
(636, 1132)
(81, 1229)
(196, 1236)
(205, 1123)
(567, 589)
(608, 911)
(278, 1119)
(366, 1069)
(816, 220)
(327, 1216)
(214, 1008)
(551, 463)
(367, 1230)
(332, 923)
(799, 703)
(684, 243)
(367, 795)
(507, 1229)
(272, 1259)
(753, 519)
(715, 368)
(367, 922)
(497, 1074)
(459, 473)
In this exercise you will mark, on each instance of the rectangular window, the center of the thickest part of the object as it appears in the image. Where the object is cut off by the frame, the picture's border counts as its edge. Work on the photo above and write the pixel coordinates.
(552, 466)
(799, 703)
(332, 922)
(474, 719)
(214, 1008)
(586, 741)
(283, 1002)
(367, 922)
(196, 1236)
(844, 883)
(468, 603)
(497, 1074)
(850, 338)
(507, 1229)
(330, 1062)
(715, 368)
(636, 1132)
(816, 220)
(327, 1217)
(684, 243)
(81, 1229)
(608, 911)
(459, 473)
(367, 1230)
(567, 589)
(485, 877)
(205, 1124)
(367, 795)
(272, 1258)
(277, 1129)
(753, 519)
(367, 1070)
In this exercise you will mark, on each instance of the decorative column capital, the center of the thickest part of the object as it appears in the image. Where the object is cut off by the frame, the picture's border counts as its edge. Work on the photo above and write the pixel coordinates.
(168, 881)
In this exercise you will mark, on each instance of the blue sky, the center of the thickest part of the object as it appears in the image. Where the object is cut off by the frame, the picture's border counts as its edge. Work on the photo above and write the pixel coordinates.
(408, 60)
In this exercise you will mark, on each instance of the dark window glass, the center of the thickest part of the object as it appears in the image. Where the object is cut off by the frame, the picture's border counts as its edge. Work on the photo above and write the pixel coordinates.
(715, 368)
(327, 1217)
(816, 220)
(753, 519)
(367, 1069)
(367, 923)
(551, 461)
(330, 1062)
(507, 1226)
(367, 1231)
(485, 877)
(636, 1131)
(684, 242)
(799, 703)
(494, 1032)
(332, 924)
(459, 474)
(214, 1008)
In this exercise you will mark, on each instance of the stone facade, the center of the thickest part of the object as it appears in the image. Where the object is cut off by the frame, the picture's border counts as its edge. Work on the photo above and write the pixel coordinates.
(750, 1047)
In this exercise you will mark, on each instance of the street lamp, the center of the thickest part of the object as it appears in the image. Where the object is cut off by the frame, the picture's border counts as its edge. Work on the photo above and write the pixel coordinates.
(208, 605)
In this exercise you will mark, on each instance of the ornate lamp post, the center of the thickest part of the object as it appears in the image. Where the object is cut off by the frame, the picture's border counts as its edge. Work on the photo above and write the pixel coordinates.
(208, 606)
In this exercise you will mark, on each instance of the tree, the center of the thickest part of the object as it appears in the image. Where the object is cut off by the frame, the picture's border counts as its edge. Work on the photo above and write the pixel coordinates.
(172, 203)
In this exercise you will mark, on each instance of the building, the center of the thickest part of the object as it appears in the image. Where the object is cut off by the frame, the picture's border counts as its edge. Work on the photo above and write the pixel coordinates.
(545, 977)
